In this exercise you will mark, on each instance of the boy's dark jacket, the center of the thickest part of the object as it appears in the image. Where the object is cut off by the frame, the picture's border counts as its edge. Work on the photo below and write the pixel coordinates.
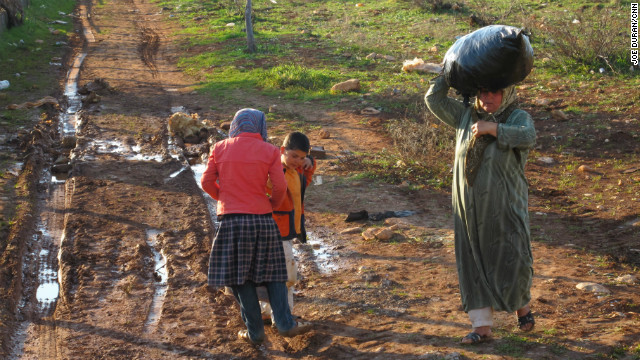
(284, 214)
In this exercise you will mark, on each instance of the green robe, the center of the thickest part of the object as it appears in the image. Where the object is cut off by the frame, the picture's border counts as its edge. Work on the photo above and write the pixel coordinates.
(491, 218)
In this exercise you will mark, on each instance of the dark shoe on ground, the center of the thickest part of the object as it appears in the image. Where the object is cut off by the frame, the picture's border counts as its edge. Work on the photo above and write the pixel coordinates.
(524, 321)
(474, 338)
(244, 335)
(298, 329)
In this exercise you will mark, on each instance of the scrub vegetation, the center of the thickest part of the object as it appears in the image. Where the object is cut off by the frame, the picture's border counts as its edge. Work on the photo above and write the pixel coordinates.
(306, 46)
(331, 39)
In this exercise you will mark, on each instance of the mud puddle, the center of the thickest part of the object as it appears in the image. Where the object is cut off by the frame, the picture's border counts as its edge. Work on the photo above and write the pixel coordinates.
(161, 276)
(317, 253)
(98, 147)
(14, 168)
(198, 170)
(69, 119)
(40, 267)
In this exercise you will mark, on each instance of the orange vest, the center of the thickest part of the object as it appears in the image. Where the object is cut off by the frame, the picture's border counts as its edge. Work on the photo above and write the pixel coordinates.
(285, 215)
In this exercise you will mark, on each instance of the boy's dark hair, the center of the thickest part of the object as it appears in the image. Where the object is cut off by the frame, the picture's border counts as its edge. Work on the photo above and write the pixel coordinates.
(296, 141)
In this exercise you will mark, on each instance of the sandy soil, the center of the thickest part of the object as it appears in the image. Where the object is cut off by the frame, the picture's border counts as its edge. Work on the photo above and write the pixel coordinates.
(378, 299)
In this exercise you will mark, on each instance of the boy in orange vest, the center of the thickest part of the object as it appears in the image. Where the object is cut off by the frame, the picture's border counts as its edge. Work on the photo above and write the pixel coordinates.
(298, 169)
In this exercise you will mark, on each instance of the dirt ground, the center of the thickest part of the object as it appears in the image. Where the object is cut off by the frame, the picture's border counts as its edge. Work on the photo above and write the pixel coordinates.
(368, 299)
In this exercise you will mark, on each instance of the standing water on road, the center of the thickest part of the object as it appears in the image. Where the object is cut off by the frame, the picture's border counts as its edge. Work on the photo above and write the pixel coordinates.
(161, 276)
(317, 249)
(198, 170)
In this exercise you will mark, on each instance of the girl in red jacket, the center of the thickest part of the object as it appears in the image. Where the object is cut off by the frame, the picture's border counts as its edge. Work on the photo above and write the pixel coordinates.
(247, 250)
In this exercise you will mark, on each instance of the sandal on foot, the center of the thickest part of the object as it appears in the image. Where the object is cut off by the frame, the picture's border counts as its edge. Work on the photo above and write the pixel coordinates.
(244, 335)
(298, 329)
(475, 338)
(526, 320)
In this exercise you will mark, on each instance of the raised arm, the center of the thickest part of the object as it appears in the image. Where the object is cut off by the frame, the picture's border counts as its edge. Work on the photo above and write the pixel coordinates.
(446, 109)
(308, 171)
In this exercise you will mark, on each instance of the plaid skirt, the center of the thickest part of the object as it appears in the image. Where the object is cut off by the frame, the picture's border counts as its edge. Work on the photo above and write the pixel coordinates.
(246, 247)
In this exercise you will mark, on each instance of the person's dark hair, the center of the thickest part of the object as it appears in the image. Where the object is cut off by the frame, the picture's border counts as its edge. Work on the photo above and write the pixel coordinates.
(296, 141)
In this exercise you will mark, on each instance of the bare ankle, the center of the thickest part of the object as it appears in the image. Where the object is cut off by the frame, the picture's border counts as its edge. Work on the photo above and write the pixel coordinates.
(523, 311)
(482, 330)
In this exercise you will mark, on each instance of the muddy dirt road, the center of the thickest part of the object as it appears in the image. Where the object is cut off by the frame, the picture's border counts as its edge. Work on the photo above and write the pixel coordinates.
(116, 268)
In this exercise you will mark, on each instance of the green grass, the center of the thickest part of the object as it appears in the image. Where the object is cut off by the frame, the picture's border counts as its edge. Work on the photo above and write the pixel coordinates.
(292, 79)
(304, 47)
(28, 50)
(513, 345)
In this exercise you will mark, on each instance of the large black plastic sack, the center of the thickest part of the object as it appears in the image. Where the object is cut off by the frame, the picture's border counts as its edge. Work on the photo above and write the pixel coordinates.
(491, 58)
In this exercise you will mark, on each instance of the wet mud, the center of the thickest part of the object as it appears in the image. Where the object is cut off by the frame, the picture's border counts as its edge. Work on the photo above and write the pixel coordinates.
(111, 258)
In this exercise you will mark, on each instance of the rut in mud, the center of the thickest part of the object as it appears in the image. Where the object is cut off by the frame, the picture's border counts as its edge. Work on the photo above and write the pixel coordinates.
(125, 239)
(80, 227)
(149, 48)
(40, 273)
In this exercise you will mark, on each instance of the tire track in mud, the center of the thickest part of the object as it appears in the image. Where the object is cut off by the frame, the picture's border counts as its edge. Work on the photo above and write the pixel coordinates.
(47, 269)
(148, 48)
(87, 25)
(149, 42)
(42, 269)
(107, 296)
(53, 217)
(41, 280)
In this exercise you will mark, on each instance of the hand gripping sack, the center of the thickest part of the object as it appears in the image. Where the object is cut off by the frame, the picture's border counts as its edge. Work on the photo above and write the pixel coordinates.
(491, 58)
